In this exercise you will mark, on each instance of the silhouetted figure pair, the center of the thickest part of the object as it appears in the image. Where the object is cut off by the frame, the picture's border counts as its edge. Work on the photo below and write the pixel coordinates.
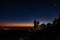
(36, 24)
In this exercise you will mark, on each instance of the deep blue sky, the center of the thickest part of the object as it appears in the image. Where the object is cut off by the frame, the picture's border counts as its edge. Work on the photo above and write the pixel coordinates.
(25, 11)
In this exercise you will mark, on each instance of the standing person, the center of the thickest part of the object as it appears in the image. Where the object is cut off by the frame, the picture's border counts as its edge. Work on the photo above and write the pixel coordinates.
(37, 24)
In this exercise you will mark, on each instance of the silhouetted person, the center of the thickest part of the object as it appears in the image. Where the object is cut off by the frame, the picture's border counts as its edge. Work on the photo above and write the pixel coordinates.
(49, 26)
(54, 24)
(43, 26)
(58, 23)
(35, 24)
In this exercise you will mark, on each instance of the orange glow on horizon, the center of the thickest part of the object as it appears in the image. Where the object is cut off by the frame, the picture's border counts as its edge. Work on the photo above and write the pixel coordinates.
(16, 24)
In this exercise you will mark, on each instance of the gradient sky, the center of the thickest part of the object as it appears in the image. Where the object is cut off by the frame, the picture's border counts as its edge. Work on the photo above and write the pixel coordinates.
(25, 11)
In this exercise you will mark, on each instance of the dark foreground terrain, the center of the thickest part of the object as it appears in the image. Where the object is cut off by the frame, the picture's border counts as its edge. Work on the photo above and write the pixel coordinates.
(26, 35)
